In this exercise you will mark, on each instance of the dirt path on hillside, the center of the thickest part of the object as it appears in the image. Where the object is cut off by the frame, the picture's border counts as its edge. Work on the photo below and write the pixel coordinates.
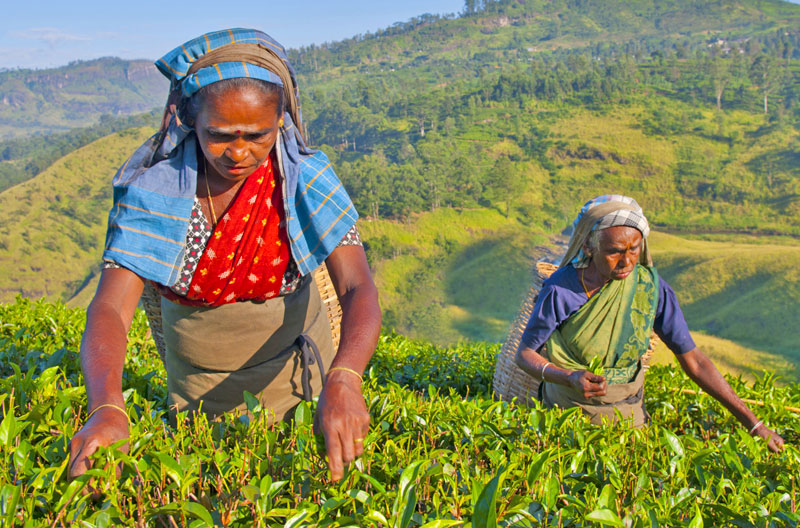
(553, 251)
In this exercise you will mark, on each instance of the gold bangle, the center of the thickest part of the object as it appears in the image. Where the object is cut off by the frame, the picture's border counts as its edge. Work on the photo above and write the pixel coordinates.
(544, 367)
(117, 407)
(361, 379)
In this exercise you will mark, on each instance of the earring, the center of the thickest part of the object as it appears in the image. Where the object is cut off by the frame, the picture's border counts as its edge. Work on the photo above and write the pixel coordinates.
(280, 123)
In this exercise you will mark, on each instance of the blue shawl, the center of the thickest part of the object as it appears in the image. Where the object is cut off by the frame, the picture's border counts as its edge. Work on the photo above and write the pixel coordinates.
(154, 190)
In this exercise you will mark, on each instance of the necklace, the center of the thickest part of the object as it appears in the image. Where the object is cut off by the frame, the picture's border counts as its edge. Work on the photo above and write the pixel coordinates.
(208, 195)
(583, 272)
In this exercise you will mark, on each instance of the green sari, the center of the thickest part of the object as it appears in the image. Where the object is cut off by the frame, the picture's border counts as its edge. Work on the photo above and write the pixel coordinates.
(615, 326)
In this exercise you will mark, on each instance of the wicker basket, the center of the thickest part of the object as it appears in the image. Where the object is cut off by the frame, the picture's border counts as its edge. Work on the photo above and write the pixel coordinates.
(151, 302)
(331, 302)
(511, 382)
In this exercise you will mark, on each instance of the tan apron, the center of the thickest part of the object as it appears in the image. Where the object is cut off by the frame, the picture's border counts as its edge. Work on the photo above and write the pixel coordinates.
(627, 398)
(277, 350)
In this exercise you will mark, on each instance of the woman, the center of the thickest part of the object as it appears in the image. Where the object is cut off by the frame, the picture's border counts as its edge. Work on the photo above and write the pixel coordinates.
(600, 307)
(227, 212)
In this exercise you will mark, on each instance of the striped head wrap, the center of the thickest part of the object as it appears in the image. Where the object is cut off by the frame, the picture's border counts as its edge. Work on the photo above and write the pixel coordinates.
(230, 54)
(602, 212)
(154, 191)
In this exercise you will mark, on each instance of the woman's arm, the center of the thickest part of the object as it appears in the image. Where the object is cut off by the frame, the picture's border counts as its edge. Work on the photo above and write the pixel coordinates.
(583, 381)
(103, 346)
(705, 374)
(342, 415)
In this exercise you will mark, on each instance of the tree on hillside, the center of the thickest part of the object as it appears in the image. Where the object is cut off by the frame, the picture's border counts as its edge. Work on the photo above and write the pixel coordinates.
(719, 71)
(368, 183)
(766, 75)
(505, 183)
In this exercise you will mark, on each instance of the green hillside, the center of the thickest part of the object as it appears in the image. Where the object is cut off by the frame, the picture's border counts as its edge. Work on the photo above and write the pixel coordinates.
(747, 293)
(52, 228)
(488, 29)
(452, 274)
(548, 102)
(23, 158)
(57, 99)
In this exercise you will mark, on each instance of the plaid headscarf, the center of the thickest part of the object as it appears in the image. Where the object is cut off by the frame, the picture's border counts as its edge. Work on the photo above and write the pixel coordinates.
(608, 210)
(154, 191)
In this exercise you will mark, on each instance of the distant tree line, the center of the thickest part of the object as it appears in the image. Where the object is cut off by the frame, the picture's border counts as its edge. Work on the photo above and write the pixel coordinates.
(23, 158)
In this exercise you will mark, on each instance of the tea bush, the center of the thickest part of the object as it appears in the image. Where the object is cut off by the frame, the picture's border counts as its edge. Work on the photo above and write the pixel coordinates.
(441, 451)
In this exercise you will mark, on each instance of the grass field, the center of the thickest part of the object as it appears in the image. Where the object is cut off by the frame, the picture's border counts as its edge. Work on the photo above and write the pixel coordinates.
(453, 275)
(744, 292)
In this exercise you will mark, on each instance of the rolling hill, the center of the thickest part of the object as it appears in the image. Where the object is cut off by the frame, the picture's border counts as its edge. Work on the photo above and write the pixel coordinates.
(52, 228)
(58, 99)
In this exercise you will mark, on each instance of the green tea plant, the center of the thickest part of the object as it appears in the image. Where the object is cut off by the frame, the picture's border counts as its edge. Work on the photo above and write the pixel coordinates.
(441, 450)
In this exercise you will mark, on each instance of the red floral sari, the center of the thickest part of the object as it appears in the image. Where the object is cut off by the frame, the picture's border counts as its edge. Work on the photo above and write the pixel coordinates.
(248, 252)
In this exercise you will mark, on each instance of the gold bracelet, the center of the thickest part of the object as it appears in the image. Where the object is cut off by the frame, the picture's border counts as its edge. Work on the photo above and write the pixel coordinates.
(117, 407)
(361, 379)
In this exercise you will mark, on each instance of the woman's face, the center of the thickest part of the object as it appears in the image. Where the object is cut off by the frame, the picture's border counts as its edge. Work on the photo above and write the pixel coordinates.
(618, 252)
(237, 130)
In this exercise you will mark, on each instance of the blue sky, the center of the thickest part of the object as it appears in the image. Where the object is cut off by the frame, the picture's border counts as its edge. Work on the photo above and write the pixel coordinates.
(46, 33)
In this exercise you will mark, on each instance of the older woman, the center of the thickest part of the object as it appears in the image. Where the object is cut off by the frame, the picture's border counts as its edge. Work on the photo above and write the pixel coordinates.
(600, 308)
(227, 212)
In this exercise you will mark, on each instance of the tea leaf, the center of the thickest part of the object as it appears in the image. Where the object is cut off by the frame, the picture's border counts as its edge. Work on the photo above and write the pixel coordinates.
(605, 517)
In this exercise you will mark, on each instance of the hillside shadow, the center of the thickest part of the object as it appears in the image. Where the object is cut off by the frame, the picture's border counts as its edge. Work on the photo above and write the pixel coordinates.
(486, 282)
(776, 162)
(759, 314)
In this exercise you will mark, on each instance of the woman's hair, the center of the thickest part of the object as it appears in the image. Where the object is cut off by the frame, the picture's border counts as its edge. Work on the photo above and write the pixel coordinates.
(194, 104)
(593, 240)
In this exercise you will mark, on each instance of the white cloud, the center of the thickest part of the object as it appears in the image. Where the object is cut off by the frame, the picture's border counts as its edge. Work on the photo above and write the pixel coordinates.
(50, 36)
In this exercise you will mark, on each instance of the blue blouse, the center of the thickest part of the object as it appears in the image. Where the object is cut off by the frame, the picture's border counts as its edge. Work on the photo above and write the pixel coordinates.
(562, 295)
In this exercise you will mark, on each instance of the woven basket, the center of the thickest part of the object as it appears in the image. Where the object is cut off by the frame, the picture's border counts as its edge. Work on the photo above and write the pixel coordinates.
(331, 302)
(151, 302)
(511, 382)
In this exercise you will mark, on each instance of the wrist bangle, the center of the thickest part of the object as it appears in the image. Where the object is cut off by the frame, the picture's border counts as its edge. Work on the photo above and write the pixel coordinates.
(756, 426)
(117, 407)
(541, 375)
(345, 369)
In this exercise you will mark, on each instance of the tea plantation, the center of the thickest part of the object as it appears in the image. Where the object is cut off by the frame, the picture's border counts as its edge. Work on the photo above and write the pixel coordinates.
(441, 451)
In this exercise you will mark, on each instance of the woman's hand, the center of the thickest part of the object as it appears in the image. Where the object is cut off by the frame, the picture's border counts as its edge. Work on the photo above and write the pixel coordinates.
(106, 426)
(703, 372)
(108, 319)
(588, 384)
(773, 439)
(343, 419)
(342, 415)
